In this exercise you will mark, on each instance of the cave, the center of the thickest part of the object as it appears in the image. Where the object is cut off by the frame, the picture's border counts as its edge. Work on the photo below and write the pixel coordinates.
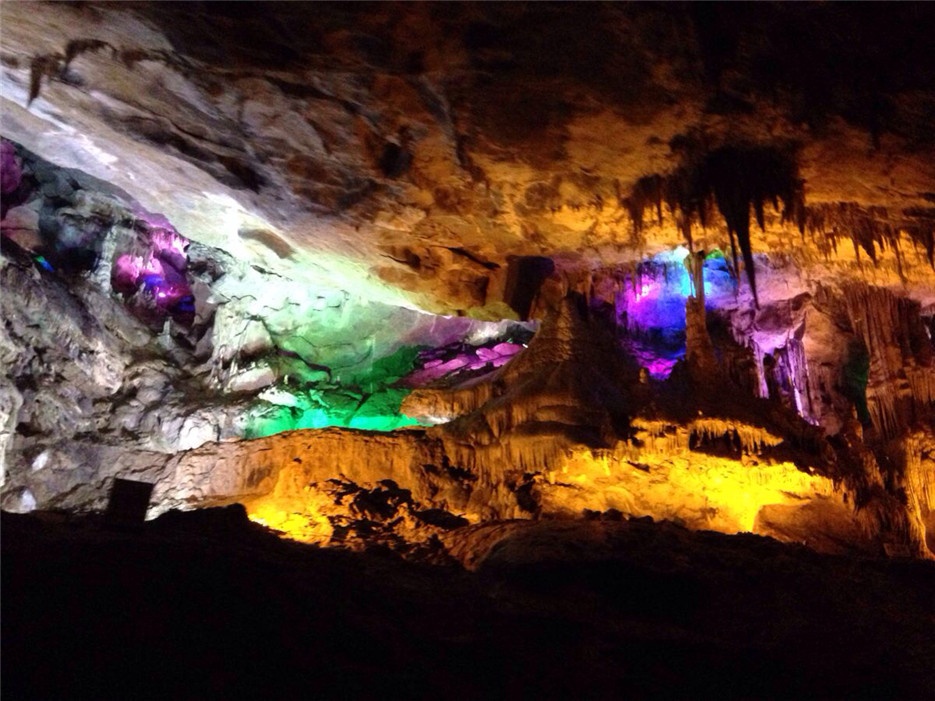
(477, 350)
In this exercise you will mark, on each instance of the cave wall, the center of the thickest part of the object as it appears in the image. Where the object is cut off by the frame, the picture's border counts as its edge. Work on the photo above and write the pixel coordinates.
(223, 226)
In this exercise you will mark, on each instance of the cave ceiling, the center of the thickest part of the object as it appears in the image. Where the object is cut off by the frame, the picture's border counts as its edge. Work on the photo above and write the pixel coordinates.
(418, 148)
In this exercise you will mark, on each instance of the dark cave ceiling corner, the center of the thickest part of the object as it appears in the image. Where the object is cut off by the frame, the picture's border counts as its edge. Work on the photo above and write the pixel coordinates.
(255, 217)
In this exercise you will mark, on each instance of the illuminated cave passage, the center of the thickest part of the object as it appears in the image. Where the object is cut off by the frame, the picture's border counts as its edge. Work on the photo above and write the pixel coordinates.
(581, 347)
(650, 307)
(663, 372)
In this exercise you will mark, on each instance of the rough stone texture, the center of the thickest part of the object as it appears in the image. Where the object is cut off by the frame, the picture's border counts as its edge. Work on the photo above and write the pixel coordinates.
(339, 168)
(535, 441)
(432, 144)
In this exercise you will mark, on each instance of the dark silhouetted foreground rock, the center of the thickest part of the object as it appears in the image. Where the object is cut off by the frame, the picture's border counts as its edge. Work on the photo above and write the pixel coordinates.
(207, 605)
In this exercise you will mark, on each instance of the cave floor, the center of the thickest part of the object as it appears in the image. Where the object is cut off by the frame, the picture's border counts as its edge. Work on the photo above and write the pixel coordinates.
(208, 605)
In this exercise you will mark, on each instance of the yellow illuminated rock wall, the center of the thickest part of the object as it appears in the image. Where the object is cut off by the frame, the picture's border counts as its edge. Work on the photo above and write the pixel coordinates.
(697, 490)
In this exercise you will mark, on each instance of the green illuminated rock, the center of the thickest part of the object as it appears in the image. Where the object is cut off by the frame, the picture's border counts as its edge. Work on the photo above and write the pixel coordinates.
(367, 400)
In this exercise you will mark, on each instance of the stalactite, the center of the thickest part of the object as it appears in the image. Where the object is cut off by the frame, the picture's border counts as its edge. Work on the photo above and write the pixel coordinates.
(741, 177)
(666, 438)
(924, 234)
(899, 259)
(900, 369)
(917, 466)
(789, 379)
(735, 178)
(870, 229)
(647, 192)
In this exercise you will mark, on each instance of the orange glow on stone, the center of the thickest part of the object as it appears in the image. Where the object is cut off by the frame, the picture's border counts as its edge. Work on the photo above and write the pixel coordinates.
(303, 520)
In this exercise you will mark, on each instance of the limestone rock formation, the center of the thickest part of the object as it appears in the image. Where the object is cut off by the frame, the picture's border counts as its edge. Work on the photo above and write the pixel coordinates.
(379, 271)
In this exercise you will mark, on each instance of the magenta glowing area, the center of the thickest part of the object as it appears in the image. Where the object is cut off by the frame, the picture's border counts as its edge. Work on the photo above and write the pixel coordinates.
(465, 361)
(658, 367)
(11, 173)
(651, 306)
(158, 273)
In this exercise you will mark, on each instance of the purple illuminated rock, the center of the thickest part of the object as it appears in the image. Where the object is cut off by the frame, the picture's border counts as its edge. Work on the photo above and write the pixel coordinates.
(10, 171)
(155, 272)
